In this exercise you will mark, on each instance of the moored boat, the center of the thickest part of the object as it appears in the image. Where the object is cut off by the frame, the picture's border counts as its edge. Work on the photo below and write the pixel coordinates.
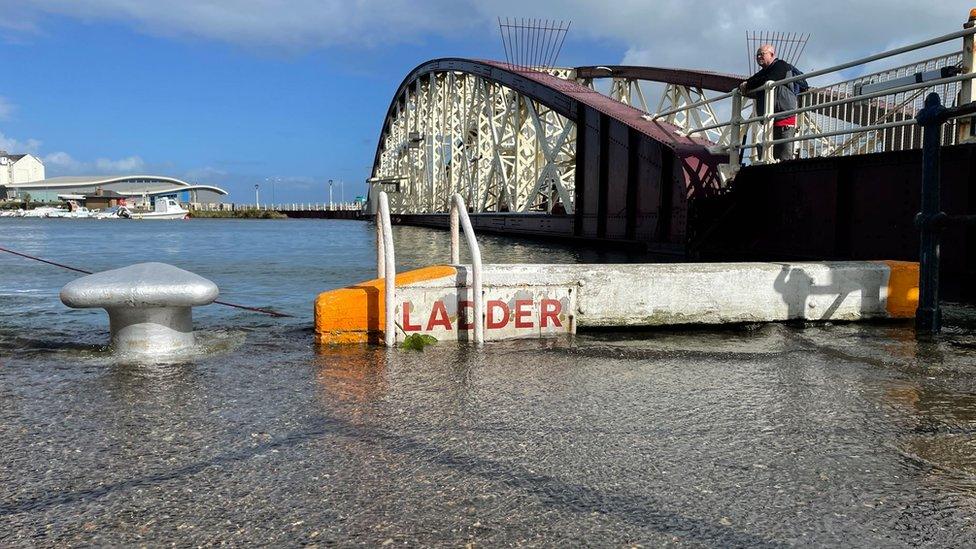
(115, 212)
(166, 208)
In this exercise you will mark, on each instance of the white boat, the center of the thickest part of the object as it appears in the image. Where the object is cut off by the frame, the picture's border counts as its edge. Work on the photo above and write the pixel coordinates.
(43, 211)
(166, 208)
(79, 212)
(74, 211)
(115, 212)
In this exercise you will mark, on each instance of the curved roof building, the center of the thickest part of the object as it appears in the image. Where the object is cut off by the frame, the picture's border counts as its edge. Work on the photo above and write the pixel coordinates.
(126, 185)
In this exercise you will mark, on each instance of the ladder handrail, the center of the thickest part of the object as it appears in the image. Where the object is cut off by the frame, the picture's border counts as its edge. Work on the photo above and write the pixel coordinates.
(386, 266)
(459, 212)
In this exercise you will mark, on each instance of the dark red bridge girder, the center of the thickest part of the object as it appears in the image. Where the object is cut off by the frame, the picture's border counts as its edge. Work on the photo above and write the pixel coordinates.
(705, 80)
(634, 177)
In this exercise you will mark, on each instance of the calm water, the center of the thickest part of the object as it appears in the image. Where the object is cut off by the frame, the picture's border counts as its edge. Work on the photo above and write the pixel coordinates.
(755, 435)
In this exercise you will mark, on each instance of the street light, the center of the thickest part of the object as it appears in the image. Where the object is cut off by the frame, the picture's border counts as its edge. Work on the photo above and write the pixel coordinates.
(257, 204)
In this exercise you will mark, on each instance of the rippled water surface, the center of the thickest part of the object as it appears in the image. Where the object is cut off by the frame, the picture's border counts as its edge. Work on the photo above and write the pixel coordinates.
(760, 435)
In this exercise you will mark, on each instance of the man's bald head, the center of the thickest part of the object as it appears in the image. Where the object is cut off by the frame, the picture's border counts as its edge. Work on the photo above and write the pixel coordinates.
(765, 55)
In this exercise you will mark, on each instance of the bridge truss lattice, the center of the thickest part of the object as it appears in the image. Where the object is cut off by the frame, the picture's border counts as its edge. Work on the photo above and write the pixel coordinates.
(456, 132)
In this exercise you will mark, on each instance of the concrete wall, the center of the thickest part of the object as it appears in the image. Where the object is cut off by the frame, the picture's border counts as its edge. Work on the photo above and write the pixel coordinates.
(849, 208)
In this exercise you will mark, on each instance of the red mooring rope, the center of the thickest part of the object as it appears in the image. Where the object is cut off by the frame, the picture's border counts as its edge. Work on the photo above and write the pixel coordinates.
(77, 270)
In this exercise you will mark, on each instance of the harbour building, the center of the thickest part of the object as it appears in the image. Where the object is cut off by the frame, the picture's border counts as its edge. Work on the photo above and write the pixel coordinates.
(135, 188)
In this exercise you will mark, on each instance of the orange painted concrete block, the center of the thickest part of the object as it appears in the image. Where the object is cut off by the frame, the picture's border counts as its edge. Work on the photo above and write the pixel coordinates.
(902, 288)
(356, 314)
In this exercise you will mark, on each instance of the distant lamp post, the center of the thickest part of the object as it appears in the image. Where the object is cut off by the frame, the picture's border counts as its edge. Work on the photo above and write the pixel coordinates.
(330, 195)
(257, 203)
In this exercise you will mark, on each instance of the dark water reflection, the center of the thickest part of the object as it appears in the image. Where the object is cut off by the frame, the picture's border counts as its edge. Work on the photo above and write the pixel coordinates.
(749, 436)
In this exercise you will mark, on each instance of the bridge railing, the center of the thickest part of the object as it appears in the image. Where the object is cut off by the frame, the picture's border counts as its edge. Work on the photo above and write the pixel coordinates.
(899, 107)
(870, 113)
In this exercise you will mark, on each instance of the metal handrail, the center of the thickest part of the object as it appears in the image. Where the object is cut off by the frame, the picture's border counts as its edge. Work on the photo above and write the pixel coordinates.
(859, 129)
(386, 266)
(828, 70)
(459, 212)
(875, 57)
(881, 72)
(828, 104)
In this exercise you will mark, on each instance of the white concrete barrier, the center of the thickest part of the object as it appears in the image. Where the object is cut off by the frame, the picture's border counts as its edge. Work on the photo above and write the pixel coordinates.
(541, 300)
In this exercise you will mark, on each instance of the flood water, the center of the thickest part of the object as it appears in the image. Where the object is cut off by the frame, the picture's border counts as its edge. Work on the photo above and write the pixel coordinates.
(756, 435)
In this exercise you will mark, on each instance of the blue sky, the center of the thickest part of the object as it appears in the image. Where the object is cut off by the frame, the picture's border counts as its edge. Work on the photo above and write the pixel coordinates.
(215, 112)
(231, 92)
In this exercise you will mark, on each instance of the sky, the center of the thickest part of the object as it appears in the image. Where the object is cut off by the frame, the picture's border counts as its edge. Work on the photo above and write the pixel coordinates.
(235, 93)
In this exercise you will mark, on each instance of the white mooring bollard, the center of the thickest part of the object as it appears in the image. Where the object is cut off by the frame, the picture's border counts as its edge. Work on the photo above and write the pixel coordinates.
(148, 304)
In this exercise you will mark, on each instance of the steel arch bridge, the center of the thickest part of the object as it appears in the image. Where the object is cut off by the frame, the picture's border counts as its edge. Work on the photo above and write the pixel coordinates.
(545, 151)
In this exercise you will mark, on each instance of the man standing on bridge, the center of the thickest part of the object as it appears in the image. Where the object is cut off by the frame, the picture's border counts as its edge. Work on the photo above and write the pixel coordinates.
(775, 69)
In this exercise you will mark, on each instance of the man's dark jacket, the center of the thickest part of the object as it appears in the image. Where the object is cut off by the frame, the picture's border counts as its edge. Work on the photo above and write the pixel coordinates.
(785, 96)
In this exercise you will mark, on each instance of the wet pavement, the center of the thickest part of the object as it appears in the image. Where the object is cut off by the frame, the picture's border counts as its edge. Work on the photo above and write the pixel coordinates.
(753, 435)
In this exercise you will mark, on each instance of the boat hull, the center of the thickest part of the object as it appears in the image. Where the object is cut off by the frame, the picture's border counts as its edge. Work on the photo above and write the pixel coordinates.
(160, 215)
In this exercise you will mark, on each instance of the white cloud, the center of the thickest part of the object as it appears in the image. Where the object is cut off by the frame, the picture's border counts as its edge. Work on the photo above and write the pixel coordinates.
(128, 165)
(6, 108)
(62, 163)
(15, 146)
(705, 34)
(295, 24)
(206, 173)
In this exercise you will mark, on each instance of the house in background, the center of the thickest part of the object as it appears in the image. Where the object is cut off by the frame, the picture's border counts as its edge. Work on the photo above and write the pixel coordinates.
(19, 168)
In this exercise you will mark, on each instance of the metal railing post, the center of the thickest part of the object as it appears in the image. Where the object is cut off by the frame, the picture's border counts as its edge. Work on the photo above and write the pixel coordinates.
(380, 252)
(460, 212)
(928, 315)
(455, 237)
(385, 255)
(965, 127)
(735, 131)
(769, 106)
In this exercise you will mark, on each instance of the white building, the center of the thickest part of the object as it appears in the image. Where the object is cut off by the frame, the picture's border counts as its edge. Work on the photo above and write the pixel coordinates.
(130, 186)
(19, 168)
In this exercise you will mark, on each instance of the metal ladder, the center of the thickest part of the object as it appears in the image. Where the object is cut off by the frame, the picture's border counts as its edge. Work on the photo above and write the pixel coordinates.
(386, 264)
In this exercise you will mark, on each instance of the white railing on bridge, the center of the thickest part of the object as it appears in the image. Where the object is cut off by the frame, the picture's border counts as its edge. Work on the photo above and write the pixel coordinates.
(867, 114)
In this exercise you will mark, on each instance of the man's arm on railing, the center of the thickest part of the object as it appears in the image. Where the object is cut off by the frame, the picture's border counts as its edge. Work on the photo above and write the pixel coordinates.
(776, 71)
(755, 81)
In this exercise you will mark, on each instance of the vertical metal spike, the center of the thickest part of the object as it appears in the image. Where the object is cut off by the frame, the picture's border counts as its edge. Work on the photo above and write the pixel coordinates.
(749, 56)
(803, 47)
(534, 31)
(524, 42)
(545, 42)
(501, 32)
(563, 40)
